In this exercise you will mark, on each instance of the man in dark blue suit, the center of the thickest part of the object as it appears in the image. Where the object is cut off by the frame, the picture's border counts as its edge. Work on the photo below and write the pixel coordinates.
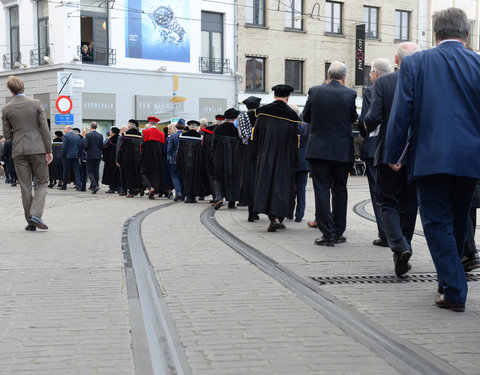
(93, 147)
(436, 111)
(70, 148)
(395, 196)
(379, 68)
(330, 110)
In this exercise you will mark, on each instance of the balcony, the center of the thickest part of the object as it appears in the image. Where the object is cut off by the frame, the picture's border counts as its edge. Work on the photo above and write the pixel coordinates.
(12, 61)
(37, 56)
(213, 65)
(99, 56)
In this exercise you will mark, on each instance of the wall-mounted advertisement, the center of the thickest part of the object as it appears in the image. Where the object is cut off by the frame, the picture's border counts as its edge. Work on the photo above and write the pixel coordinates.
(158, 30)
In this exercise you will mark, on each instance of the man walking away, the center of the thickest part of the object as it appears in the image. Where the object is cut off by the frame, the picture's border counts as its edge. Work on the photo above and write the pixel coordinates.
(93, 147)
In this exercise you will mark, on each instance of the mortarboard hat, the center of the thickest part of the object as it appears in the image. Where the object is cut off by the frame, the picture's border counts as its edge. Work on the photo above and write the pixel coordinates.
(282, 91)
(219, 117)
(231, 113)
(76, 130)
(153, 119)
(193, 122)
(252, 102)
(133, 122)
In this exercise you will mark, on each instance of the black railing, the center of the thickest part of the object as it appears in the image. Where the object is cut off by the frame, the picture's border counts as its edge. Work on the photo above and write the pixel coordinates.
(12, 61)
(98, 56)
(37, 56)
(213, 65)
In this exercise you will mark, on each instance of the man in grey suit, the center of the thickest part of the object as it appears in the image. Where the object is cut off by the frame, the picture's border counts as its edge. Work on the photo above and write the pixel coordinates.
(24, 121)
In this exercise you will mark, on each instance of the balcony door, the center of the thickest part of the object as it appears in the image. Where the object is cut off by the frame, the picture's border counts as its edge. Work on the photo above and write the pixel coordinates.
(212, 42)
(94, 29)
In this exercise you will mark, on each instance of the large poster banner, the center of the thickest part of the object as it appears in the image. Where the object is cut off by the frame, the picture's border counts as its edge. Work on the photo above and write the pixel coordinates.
(158, 30)
(360, 55)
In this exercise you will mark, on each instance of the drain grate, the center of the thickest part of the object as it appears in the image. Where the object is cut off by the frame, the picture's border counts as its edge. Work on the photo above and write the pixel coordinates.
(386, 279)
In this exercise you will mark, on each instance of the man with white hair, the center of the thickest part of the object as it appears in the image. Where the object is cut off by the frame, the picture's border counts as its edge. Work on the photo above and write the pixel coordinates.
(331, 111)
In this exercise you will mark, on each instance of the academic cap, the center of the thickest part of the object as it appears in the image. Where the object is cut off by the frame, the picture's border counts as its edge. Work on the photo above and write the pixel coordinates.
(59, 134)
(153, 119)
(193, 122)
(282, 91)
(133, 122)
(231, 113)
(252, 102)
(76, 130)
(219, 117)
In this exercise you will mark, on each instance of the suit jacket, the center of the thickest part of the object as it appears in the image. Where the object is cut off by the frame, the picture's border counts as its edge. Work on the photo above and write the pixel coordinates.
(379, 112)
(93, 145)
(71, 146)
(369, 142)
(24, 121)
(330, 110)
(437, 109)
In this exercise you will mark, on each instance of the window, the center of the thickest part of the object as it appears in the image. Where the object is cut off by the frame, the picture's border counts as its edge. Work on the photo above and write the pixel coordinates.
(42, 24)
(327, 66)
(370, 18)
(94, 30)
(255, 12)
(402, 25)
(333, 17)
(212, 43)
(293, 14)
(294, 74)
(255, 74)
(14, 38)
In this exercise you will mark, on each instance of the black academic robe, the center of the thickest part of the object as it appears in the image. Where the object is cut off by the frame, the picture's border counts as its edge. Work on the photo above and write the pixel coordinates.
(152, 162)
(55, 168)
(275, 143)
(224, 147)
(190, 162)
(246, 166)
(207, 133)
(111, 172)
(128, 156)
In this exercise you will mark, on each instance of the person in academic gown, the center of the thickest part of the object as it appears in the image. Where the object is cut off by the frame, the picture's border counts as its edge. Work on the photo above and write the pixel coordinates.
(152, 159)
(275, 142)
(55, 168)
(190, 162)
(128, 159)
(246, 166)
(224, 147)
(111, 172)
(207, 133)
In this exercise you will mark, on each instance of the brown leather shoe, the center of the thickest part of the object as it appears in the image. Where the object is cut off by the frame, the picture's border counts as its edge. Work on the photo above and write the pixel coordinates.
(446, 304)
(312, 224)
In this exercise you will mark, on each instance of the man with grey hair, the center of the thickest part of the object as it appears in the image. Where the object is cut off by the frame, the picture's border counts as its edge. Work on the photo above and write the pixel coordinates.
(395, 196)
(379, 67)
(435, 118)
(93, 147)
(70, 155)
(330, 110)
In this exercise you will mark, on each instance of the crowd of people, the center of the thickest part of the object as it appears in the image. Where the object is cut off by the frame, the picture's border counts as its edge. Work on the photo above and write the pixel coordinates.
(420, 132)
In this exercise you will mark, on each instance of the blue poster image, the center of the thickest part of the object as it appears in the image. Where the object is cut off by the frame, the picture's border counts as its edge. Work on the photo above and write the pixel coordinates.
(158, 30)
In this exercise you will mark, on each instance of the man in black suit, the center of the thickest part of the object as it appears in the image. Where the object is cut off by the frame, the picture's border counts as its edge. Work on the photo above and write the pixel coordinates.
(396, 197)
(93, 147)
(331, 110)
(379, 68)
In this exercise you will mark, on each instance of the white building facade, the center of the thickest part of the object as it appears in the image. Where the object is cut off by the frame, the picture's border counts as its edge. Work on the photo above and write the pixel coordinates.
(142, 58)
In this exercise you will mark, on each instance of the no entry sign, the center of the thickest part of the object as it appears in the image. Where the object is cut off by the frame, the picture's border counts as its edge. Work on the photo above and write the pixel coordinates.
(64, 104)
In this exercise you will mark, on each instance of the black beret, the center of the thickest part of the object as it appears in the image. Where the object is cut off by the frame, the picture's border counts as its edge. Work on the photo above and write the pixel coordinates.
(219, 117)
(59, 134)
(231, 113)
(193, 122)
(282, 91)
(252, 102)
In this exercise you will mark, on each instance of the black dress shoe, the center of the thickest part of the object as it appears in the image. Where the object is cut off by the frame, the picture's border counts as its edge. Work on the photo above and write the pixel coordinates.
(251, 219)
(324, 241)
(401, 263)
(440, 289)
(62, 188)
(110, 191)
(31, 228)
(95, 189)
(36, 221)
(297, 220)
(471, 262)
(449, 305)
(217, 205)
(177, 198)
(274, 225)
(282, 226)
(340, 239)
(380, 242)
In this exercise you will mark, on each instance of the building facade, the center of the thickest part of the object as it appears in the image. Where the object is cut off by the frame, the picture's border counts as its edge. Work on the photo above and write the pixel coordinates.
(118, 60)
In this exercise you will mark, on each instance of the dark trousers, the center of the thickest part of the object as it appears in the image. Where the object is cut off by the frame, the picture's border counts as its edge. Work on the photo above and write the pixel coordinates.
(330, 176)
(470, 248)
(371, 177)
(67, 164)
(177, 179)
(83, 176)
(93, 166)
(301, 178)
(398, 206)
(445, 202)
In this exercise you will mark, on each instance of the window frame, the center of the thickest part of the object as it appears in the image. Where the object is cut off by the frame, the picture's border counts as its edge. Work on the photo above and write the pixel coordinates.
(254, 58)
(43, 50)
(330, 19)
(257, 12)
(368, 22)
(300, 79)
(290, 14)
(400, 26)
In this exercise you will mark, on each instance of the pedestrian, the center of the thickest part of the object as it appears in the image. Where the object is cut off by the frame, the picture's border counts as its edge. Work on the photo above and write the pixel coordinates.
(55, 168)
(435, 116)
(330, 110)
(224, 147)
(470, 259)
(171, 129)
(2, 145)
(379, 67)
(128, 159)
(172, 151)
(152, 159)
(70, 155)
(24, 122)
(7, 158)
(123, 129)
(82, 161)
(207, 140)
(93, 147)
(395, 195)
(275, 144)
(111, 172)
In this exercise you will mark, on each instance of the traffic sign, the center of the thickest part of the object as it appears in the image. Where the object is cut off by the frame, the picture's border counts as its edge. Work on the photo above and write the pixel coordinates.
(64, 120)
(64, 83)
(64, 104)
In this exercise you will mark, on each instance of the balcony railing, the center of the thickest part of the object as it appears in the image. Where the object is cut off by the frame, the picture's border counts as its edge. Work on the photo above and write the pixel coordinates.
(37, 56)
(213, 65)
(98, 56)
(12, 61)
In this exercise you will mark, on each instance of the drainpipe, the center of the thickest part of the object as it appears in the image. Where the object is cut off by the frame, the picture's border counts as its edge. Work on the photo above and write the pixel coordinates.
(235, 49)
